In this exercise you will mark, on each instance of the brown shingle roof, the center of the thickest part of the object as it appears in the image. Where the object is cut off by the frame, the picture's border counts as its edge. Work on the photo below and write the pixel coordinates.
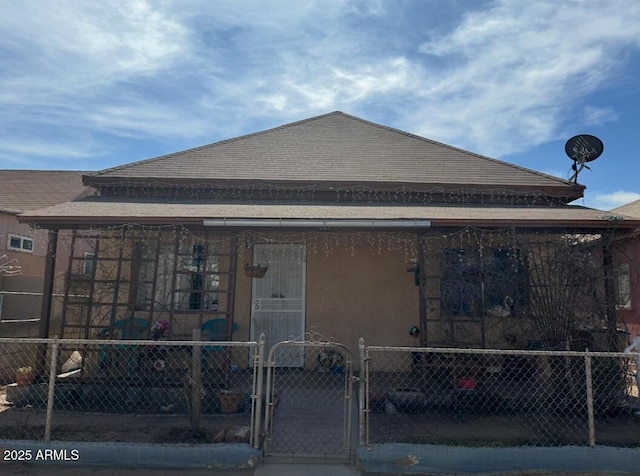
(111, 210)
(337, 148)
(24, 190)
(631, 209)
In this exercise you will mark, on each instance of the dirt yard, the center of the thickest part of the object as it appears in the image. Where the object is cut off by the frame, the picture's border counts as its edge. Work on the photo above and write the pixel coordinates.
(29, 423)
(501, 430)
(422, 428)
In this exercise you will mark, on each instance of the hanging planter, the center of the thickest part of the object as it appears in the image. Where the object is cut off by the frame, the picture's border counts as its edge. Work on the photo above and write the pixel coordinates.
(255, 270)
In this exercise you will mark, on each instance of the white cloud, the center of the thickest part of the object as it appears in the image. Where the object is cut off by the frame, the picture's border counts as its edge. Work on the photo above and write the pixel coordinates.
(496, 80)
(609, 201)
(518, 71)
(597, 115)
(136, 118)
(47, 149)
(72, 47)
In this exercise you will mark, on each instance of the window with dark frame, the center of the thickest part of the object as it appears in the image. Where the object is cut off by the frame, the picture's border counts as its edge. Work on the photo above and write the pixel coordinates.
(623, 286)
(20, 243)
(492, 282)
(88, 264)
(191, 277)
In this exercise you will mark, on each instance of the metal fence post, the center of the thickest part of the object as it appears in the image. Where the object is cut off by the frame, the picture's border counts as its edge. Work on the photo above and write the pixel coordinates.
(52, 389)
(589, 383)
(258, 392)
(363, 398)
(268, 410)
(196, 381)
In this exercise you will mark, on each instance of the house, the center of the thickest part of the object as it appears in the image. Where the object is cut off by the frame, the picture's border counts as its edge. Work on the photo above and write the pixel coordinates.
(331, 225)
(23, 248)
(627, 272)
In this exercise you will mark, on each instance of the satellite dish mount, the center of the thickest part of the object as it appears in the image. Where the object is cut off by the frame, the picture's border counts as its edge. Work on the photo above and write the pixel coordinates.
(582, 149)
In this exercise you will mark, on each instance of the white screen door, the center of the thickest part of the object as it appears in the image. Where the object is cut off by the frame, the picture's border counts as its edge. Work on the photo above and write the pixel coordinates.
(278, 298)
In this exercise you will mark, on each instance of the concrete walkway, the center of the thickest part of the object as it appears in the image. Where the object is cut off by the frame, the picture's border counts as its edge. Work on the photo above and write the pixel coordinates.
(301, 469)
(309, 422)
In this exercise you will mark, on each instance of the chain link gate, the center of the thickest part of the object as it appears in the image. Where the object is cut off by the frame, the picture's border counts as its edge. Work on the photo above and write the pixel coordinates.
(309, 408)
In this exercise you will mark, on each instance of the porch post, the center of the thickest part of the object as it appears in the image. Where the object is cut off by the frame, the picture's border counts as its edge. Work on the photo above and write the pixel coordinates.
(422, 291)
(48, 287)
(610, 296)
(47, 301)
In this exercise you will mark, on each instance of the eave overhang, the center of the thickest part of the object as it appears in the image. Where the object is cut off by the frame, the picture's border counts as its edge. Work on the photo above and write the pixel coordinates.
(103, 212)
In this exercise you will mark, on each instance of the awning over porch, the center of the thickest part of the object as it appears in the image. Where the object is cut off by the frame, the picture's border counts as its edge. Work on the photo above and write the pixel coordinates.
(193, 212)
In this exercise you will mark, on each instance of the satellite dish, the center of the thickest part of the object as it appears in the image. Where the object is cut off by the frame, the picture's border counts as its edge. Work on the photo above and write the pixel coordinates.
(582, 149)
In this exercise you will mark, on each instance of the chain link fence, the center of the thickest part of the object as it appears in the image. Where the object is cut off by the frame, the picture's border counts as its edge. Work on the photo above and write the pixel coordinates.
(468, 397)
(128, 391)
(206, 392)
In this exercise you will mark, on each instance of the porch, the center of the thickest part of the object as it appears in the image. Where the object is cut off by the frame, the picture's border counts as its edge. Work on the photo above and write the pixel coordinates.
(469, 287)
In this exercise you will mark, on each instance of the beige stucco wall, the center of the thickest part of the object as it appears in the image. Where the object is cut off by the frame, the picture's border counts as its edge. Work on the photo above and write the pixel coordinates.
(349, 294)
(365, 295)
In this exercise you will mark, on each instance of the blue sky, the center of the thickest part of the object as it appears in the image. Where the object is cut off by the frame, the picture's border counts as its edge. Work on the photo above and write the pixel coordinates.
(90, 85)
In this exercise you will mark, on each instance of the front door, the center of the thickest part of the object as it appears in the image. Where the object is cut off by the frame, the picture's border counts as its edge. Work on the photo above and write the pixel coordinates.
(278, 298)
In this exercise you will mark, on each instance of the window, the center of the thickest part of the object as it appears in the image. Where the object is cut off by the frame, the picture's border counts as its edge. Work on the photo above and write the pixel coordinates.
(623, 286)
(20, 243)
(191, 277)
(88, 264)
(197, 279)
(473, 284)
(155, 276)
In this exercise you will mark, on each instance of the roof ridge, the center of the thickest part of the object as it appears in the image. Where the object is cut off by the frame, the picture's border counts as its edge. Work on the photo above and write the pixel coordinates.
(221, 142)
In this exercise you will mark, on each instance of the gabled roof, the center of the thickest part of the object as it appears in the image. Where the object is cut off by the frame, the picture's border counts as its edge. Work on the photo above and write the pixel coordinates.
(337, 149)
(24, 190)
(631, 209)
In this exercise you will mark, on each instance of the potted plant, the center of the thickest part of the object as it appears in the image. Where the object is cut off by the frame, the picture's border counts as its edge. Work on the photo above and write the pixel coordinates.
(158, 329)
(25, 375)
(229, 401)
(330, 360)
